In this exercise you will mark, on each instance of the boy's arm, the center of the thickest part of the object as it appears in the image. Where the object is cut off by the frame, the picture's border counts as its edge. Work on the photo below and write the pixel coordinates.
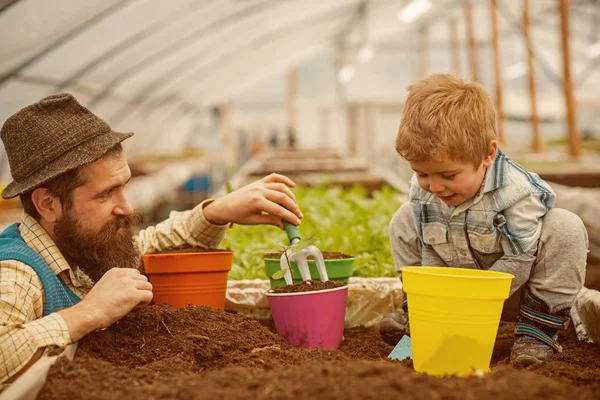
(430, 258)
(406, 246)
(521, 227)
(519, 266)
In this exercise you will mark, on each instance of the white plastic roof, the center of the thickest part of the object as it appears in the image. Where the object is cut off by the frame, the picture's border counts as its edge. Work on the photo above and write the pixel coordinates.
(157, 66)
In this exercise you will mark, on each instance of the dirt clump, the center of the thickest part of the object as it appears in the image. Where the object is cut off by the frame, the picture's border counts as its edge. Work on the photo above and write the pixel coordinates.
(307, 286)
(200, 353)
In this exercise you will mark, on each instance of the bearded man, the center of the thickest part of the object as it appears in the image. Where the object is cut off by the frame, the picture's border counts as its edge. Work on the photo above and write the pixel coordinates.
(71, 265)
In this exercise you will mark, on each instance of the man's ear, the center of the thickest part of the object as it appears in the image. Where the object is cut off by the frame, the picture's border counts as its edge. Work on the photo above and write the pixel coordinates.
(491, 154)
(47, 205)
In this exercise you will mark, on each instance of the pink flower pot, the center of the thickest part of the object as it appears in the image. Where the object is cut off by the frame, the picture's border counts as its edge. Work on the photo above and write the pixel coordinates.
(310, 319)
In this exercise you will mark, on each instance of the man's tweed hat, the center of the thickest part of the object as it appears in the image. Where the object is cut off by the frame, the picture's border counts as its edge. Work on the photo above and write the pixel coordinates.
(50, 137)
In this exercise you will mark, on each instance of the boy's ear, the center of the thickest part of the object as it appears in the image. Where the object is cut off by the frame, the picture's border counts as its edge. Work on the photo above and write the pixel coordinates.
(489, 157)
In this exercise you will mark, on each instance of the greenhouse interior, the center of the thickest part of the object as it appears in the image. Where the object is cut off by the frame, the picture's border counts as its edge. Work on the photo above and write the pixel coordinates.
(300, 199)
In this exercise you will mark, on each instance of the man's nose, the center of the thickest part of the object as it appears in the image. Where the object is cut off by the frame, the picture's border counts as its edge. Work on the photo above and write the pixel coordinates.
(123, 207)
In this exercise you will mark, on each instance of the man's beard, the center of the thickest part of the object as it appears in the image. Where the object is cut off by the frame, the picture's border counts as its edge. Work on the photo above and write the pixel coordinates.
(97, 252)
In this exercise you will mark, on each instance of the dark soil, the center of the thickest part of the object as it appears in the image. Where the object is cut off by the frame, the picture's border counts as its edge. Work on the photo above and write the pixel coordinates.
(200, 353)
(327, 255)
(308, 286)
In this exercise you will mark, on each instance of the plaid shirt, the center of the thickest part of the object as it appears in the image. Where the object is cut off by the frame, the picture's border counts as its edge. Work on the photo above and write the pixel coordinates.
(23, 330)
(498, 229)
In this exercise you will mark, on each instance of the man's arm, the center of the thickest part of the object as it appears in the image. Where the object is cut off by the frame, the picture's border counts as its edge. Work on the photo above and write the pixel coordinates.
(266, 201)
(36, 356)
(22, 336)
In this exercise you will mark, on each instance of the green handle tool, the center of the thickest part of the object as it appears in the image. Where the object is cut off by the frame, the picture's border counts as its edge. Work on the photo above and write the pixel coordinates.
(292, 231)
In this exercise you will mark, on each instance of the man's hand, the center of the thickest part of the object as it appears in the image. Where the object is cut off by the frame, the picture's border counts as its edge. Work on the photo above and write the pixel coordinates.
(118, 292)
(247, 205)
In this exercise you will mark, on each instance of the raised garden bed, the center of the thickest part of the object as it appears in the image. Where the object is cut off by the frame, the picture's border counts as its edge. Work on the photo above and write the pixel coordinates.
(198, 353)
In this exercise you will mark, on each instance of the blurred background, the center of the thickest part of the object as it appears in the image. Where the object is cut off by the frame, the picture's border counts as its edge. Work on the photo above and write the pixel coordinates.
(220, 92)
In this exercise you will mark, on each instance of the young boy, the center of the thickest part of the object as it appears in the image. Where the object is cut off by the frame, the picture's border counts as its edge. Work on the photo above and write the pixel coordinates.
(473, 207)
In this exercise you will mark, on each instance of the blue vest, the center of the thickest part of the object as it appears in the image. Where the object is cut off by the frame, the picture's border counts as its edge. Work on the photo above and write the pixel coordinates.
(58, 294)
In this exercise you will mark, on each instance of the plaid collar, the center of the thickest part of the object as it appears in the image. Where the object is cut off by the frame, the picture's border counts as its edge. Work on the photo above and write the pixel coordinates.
(496, 176)
(36, 237)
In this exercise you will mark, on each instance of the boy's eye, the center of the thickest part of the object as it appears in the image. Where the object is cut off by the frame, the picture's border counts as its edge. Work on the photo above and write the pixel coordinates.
(449, 177)
(421, 175)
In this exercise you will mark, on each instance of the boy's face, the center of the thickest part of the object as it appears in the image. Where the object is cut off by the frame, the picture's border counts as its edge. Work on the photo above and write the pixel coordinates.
(453, 182)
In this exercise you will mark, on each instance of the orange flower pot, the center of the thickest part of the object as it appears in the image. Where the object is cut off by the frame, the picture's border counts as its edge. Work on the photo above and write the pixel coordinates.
(180, 279)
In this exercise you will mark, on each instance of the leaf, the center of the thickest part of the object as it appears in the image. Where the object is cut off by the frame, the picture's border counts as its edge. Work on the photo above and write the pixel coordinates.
(279, 274)
(229, 187)
(304, 243)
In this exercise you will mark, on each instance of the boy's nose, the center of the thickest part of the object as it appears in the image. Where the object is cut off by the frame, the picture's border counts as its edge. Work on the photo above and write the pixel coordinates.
(435, 187)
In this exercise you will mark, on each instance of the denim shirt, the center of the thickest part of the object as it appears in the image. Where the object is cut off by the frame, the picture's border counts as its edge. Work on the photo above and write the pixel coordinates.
(498, 229)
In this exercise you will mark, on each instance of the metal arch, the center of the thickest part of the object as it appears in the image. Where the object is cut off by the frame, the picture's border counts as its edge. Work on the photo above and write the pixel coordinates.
(225, 59)
(379, 10)
(159, 55)
(297, 42)
(156, 27)
(6, 4)
(147, 91)
(182, 107)
(198, 89)
(66, 37)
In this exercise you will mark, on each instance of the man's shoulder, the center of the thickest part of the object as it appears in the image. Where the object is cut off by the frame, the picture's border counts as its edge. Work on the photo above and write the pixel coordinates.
(13, 270)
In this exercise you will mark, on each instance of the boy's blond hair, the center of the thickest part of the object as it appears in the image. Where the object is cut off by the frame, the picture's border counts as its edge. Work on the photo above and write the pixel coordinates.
(444, 117)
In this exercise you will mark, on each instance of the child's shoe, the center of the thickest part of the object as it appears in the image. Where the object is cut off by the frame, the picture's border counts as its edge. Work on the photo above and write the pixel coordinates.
(536, 331)
(393, 327)
(528, 350)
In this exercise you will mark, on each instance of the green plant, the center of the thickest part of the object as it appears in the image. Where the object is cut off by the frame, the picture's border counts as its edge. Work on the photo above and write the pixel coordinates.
(345, 220)
(288, 250)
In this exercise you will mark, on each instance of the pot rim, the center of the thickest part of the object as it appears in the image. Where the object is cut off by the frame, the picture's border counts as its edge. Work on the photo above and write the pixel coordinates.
(197, 253)
(306, 293)
(326, 260)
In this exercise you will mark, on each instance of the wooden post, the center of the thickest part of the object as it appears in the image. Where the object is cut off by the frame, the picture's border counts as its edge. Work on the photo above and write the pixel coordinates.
(454, 49)
(497, 69)
(423, 52)
(325, 114)
(574, 136)
(291, 100)
(471, 40)
(352, 114)
(227, 133)
(536, 142)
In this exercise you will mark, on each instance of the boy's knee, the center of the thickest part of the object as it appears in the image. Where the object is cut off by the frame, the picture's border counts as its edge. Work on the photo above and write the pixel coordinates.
(564, 224)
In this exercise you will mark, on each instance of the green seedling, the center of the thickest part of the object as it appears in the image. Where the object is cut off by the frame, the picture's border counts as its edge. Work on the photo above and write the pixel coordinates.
(287, 250)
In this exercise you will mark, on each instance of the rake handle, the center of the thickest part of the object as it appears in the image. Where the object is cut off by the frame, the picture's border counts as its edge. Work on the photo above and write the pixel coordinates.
(291, 230)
